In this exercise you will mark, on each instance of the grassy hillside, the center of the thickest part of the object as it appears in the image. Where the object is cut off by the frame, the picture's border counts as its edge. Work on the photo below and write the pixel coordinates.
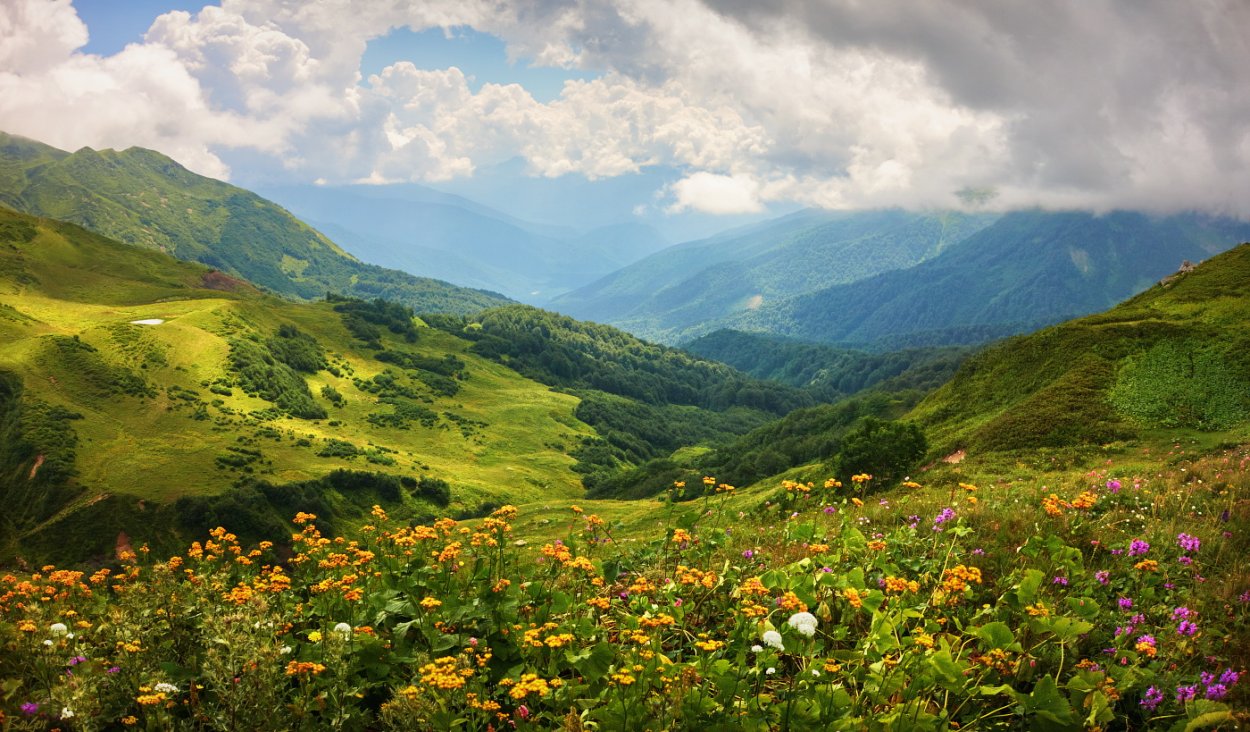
(646, 401)
(108, 421)
(143, 198)
(828, 370)
(674, 294)
(1027, 270)
(1171, 357)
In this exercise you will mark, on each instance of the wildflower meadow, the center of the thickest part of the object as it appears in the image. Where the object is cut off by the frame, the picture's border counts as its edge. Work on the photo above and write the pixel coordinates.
(1114, 601)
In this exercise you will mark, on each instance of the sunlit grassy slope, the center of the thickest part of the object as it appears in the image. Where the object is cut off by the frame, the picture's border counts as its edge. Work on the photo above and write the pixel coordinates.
(1171, 357)
(152, 429)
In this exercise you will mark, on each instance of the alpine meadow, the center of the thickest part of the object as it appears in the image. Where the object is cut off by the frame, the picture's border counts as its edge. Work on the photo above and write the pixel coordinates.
(619, 366)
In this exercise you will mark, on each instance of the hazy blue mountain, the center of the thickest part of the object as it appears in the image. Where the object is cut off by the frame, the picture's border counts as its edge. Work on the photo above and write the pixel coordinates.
(680, 291)
(1029, 269)
(427, 232)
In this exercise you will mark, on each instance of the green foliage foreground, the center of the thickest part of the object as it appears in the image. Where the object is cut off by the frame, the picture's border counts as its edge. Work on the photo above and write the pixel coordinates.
(1121, 601)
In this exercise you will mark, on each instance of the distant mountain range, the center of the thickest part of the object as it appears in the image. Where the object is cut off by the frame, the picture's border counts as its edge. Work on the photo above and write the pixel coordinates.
(141, 197)
(421, 230)
(686, 289)
(1027, 270)
(891, 279)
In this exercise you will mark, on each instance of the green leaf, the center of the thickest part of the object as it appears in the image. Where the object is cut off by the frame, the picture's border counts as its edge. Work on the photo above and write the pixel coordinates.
(1049, 704)
(1026, 593)
(560, 602)
(996, 635)
(1209, 719)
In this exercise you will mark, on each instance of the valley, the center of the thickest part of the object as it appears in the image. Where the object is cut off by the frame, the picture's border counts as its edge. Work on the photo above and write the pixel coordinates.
(408, 484)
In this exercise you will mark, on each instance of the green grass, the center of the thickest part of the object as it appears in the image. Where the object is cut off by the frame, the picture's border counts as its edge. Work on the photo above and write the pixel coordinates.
(153, 430)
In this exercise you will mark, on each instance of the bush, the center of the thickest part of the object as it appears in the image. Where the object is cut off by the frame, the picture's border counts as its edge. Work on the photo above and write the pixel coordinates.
(434, 490)
(886, 450)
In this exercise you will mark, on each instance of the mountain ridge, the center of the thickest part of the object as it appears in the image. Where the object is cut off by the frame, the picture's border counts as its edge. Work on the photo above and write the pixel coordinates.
(146, 199)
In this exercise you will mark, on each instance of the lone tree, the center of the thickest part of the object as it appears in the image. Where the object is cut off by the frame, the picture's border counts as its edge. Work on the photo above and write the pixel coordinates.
(884, 449)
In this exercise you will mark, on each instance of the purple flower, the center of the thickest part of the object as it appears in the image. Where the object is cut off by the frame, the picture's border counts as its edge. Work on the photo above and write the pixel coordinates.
(748, 554)
(1061, 581)
(945, 515)
(29, 708)
(1103, 576)
(1229, 677)
(1182, 612)
(826, 570)
(978, 552)
(1125, 603)
(1185, 560)
(829, 510)
(1188, 543)
(1216, 691)
(1186, 628)
(1137, 619)
(1152, 699)
(1138, 548)
(1244, 597)
(114, 670)
(1147, 638)
(1113, 485)
(1186, 693)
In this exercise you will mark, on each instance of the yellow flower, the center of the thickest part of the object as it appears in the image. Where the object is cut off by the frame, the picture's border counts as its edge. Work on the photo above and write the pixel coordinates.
(315, 636)
(301, 668)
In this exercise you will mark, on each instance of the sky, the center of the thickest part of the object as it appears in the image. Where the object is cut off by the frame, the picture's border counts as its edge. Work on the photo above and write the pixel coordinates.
(724, 108)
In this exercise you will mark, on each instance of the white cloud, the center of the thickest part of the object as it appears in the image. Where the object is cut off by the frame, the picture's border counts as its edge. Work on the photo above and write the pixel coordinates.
(716, 194)
(840, 104)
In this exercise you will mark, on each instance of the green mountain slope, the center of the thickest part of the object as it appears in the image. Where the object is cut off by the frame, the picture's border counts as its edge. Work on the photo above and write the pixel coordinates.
(1029, 269)
(828, 370)
(1171, 357)
(672, 295)
(141, 197)
(107, 422)
(646, 401)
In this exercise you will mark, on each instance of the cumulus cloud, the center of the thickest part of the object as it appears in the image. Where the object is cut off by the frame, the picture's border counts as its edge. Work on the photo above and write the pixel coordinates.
(835, 103)
(716, 194)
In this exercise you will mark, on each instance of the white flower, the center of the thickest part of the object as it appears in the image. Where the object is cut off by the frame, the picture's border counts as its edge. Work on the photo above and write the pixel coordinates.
(804, 622)
(58, 629)
(773, 638)
(770, 670)
(284, 650)
(815, 672)
(48, 642)
(66, 712)
(757, 648)
(344, 630)
(165, 688)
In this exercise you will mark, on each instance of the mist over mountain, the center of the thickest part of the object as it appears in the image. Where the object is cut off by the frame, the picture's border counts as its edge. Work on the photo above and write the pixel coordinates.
(435, 234)
(677, 292)
(1027, 270)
